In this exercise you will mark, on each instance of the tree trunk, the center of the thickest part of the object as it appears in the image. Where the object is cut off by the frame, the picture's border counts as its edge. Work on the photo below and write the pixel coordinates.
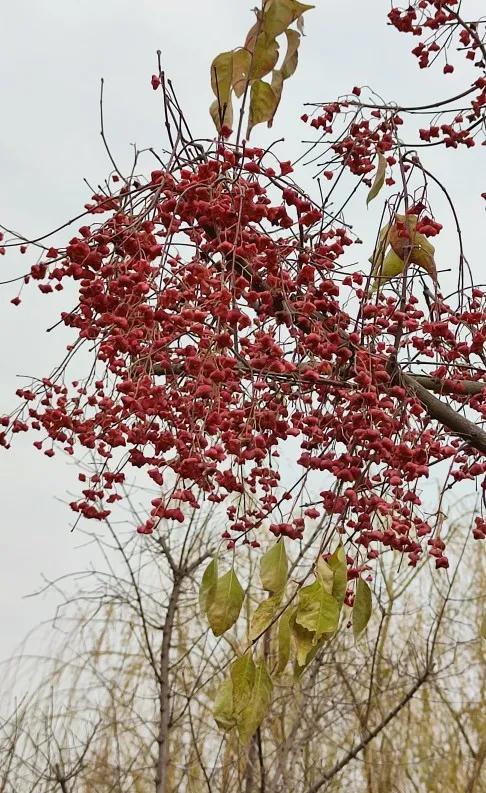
(164, 692)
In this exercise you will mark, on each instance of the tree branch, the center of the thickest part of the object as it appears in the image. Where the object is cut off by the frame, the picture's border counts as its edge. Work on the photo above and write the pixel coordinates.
(448, 417)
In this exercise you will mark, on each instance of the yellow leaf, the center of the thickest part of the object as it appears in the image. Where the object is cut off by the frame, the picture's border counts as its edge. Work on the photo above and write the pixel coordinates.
(263, 616)
(280, 14)
(324, 574)
(222, 115)
(222, 76)
(318, 611)
(277, 17)
(242, 674)
(263, 103)
(379, 179)
(391, 266)
(241, 71)
(273, 568)
(265, 56)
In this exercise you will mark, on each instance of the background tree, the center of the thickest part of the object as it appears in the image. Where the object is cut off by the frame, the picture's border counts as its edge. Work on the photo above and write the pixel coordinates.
(401, 711)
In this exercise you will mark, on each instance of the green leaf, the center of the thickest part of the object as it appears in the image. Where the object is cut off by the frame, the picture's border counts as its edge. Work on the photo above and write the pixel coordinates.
(274, 568)
(223, 707)
(263, 616)
(318, 611)
(226, 602)
(337, 563)
(261, 696)
(379, 179)
(222, 76)
(242, 678)
(291, 59)
(265, 56)
(263, 103)
(283, 641)
(361, 607)
(208, 585)
(241, 71)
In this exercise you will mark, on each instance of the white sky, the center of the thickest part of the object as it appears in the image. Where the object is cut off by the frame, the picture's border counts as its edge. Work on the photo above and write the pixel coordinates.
(52, 56)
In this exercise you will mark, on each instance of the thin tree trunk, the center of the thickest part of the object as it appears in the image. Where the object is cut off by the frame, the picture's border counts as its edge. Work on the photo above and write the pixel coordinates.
(164, 692)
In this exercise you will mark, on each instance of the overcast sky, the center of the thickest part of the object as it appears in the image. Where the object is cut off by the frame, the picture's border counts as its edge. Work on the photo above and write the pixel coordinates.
(52, 57)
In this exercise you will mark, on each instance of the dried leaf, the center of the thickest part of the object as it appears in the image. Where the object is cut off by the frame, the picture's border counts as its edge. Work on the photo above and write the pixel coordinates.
(263, 103)
(225, 605)
(410, 245)
(361, 607)
(291, 59)
(252, 36)
(407, 244)
(379, 179)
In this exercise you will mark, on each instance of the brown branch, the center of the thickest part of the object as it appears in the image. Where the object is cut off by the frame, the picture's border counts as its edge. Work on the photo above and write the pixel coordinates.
(459, 388)
(448, 417)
